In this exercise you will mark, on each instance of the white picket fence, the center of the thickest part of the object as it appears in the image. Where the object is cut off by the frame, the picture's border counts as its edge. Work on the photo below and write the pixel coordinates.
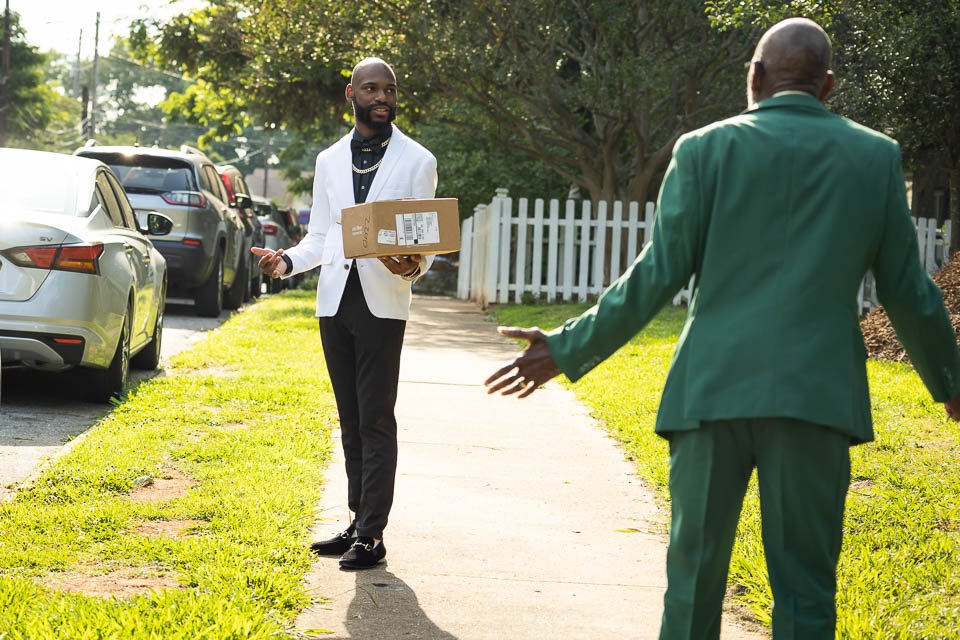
(553, 250)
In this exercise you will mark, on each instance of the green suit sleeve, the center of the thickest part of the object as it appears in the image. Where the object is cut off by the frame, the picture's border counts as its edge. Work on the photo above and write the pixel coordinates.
(665, 265)
(912, 300)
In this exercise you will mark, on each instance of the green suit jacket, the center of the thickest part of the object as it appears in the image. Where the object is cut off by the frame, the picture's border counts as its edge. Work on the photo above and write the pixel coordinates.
(779, 212)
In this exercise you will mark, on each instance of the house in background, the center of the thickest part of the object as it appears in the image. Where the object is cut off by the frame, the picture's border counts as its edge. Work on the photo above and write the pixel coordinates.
(273, 186)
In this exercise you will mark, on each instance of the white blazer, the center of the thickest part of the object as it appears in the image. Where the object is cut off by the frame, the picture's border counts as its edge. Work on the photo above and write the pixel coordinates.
(408, 170)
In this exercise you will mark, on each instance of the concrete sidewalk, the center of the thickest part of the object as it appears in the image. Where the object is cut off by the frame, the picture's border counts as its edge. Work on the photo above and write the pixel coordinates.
(513, 519)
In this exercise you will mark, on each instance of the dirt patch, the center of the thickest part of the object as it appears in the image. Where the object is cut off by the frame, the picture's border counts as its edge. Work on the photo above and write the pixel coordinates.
(168, 528)
(740, 611)
(122, 583)
(215, 372)
(863, 487)
(878, 334)
(211, 372)
(947, 525)
(173, 484)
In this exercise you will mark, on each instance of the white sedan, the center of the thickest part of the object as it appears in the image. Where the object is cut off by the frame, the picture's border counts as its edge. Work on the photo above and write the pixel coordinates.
(81, 286)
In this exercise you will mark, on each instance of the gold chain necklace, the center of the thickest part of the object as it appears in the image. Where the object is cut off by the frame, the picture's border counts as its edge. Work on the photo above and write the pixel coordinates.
(383, 145)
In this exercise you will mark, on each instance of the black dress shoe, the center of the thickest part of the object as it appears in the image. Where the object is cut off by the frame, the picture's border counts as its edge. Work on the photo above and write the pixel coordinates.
(363, 554)
(336, 545)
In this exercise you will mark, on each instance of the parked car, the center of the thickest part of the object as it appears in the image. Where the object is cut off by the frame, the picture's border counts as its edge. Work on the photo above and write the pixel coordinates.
(205, 251)
(294, 228)
(81, 284)
(239, 195)
(276, 229)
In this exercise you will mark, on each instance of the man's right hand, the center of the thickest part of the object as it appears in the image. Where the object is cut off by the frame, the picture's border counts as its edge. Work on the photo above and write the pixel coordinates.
(529, 370)
(270, 261)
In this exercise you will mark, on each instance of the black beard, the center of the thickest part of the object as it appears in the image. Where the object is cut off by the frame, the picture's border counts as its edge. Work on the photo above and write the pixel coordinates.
(363, 116)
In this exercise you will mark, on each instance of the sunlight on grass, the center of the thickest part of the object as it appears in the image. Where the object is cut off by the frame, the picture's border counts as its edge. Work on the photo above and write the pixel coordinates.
(899, 574)
(244, 426)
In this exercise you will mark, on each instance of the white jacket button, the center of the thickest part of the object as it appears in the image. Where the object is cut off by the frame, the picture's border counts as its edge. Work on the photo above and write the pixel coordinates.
(347, 267)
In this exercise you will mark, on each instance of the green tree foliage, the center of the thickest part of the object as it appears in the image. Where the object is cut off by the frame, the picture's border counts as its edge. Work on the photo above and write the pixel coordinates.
(33, 106)
(598, 91)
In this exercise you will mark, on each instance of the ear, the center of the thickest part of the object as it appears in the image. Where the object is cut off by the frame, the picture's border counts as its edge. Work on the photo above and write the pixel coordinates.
(828, 86)
(348, 92)
(756, 78)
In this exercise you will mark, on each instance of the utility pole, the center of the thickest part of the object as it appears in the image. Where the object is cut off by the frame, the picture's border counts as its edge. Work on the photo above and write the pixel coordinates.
(5, 97)
(76, 67)
(84, 113)
(93, 83)
(266, 167)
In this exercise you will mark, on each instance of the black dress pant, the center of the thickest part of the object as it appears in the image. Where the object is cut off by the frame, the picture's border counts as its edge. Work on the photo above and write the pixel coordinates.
(363, 358)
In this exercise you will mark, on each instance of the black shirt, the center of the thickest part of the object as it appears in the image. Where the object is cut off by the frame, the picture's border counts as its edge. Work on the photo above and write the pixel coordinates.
(367, 155)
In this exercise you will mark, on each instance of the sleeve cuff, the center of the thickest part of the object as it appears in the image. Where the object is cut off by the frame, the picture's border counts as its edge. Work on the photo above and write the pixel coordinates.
(289, 263)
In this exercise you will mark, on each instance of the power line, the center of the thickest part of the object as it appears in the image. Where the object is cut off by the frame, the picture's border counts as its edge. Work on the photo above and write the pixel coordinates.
(133, 62)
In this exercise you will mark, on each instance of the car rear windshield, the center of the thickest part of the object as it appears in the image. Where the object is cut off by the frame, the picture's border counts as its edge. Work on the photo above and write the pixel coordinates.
(149, 174)
(31, 189)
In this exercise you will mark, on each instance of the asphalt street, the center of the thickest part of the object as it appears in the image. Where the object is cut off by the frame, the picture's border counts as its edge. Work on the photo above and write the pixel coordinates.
(41, 412)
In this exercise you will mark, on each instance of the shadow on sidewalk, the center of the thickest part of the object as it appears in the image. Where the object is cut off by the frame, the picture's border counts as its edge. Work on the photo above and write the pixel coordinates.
(384, 607)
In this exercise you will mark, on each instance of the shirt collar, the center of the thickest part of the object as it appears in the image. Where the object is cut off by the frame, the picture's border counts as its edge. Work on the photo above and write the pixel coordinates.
(789, 99)
(791, 92)
(377, 138)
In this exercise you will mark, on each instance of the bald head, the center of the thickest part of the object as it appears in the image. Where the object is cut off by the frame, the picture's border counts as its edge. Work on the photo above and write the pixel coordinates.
(371, 64)
(793, 55)
(373, 93)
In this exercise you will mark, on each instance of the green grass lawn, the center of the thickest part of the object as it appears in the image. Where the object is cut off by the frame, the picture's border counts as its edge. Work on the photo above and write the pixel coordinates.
(899, 574)
(239, 431)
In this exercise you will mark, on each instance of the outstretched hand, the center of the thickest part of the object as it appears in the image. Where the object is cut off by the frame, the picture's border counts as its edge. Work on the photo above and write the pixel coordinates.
(529, 370)
(270, 261)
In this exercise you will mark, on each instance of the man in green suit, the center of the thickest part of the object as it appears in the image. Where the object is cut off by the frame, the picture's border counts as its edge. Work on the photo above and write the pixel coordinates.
(779, 212)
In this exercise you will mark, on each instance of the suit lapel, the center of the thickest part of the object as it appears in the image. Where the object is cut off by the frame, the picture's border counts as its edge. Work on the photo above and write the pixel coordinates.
(391, 158)
(341, 174)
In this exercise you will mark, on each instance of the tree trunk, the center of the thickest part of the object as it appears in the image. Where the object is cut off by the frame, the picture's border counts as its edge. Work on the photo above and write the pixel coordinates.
(955, 207)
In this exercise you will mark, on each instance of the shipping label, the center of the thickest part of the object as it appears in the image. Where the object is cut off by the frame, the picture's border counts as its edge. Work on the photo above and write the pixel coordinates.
(418, 228)
(386, 236)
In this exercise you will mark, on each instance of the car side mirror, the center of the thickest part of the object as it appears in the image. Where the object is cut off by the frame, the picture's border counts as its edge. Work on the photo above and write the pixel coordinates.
(157, 224)
(243, 201)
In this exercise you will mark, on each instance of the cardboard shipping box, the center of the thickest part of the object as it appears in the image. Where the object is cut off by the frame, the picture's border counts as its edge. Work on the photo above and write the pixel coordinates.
(401, 227)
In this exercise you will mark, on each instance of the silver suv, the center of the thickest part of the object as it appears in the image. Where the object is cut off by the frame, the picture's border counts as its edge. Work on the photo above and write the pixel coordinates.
(204, 252)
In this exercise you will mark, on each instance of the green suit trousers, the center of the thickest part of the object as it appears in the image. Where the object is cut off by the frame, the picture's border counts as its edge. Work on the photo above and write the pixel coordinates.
(803, 470)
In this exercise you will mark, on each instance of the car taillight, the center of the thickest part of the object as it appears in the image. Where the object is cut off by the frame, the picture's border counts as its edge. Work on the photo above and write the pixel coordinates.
(270, 228)
(185, 198)
(229, 186)
(79, 258)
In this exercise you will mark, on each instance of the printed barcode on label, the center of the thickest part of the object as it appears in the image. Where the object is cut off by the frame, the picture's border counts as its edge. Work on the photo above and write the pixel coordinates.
(418, 228)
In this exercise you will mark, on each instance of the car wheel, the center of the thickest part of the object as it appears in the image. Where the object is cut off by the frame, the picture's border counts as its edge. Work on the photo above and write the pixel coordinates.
(239, 290)
(104, 384)
(209, 297)
(149, 357)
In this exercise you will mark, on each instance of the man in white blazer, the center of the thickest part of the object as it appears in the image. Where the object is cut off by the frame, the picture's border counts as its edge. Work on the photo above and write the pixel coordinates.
(362, 304)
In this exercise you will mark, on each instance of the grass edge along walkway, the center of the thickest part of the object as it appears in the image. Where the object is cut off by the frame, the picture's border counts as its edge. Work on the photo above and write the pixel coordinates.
(899, 574)
(188, 507)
